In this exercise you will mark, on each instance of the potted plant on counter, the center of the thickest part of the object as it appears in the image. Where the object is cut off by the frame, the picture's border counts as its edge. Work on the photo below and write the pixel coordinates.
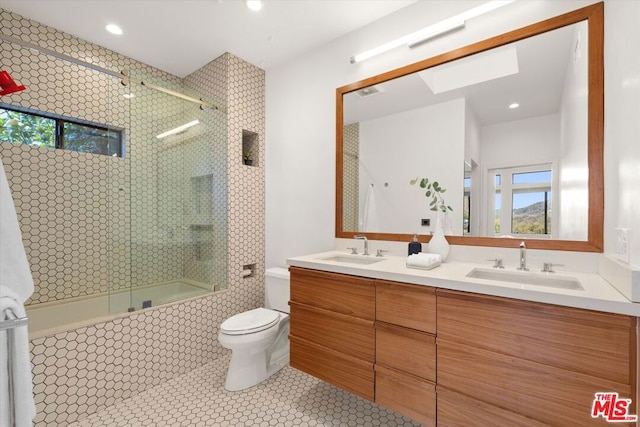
(438, 243)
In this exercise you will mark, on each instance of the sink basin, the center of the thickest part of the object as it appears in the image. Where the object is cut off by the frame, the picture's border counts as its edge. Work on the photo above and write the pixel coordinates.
(524, 278)
(353, 259)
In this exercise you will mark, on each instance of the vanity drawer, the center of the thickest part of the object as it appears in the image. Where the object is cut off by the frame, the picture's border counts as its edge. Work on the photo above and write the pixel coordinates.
(455, 410)
(547, 394)
(349, 373)
(349, 335)
(406, 350)
(590, 342)
(354, 296)
(412, 306)
(406, 394)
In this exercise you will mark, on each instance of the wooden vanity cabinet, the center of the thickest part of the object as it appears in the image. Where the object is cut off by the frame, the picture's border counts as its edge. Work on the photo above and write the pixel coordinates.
(452, 359)
(332, 333)
(532, 363)
(406, 350)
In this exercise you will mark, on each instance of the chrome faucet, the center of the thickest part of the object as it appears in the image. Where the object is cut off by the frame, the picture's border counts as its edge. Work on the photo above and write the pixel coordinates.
(497, 262)
(523, 257)
(366, 243)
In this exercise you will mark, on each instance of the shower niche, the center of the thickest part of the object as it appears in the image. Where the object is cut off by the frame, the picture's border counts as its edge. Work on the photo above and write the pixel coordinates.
(250, 148)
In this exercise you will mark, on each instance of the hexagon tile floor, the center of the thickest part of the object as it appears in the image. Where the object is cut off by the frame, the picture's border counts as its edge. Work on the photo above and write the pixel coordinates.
(289, 398)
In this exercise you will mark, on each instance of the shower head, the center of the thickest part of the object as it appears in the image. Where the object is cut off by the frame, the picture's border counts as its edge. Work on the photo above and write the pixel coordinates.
(8, 85)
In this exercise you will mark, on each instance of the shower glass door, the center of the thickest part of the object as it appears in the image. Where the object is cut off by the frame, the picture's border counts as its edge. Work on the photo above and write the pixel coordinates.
(170, 199)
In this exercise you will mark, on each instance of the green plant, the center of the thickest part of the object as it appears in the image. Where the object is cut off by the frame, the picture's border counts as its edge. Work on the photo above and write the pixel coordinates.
(434, 191)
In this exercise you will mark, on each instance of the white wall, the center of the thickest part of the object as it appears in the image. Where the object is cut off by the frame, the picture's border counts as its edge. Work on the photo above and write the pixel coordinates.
(573, 176)
(520, 142)
(400, 147)
(622, 123)
(301, 114)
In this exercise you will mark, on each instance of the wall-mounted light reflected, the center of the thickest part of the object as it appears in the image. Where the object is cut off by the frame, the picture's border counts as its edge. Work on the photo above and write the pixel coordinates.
(443, 27)
(178, 129)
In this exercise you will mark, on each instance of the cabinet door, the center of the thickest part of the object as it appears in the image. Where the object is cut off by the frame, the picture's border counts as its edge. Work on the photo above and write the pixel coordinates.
(458, 410)
(350, 295)
(412, 306)
(406, 350)
(547, 394)
(349, 335)
(589, 342)
(346, 372)
(406, 394)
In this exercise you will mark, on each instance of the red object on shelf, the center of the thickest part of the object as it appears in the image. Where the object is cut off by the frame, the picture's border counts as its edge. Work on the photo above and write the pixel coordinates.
(8, 85)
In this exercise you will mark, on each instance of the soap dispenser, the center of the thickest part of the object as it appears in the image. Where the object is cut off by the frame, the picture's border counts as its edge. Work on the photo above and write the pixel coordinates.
(415, 246)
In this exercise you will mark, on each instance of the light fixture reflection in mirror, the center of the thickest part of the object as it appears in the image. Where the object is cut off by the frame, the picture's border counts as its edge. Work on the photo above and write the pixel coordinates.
(466, 122)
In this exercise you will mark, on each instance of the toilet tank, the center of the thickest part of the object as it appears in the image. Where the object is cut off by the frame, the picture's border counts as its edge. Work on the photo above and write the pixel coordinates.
(276, 289)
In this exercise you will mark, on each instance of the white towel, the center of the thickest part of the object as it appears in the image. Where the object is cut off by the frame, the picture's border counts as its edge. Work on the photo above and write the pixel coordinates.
(424, 261)
(14, 267)
(17, 406)
(16, 285)
(370, 212)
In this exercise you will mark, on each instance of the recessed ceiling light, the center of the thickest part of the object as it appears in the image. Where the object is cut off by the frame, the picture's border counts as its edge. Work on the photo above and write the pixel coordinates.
(114, 29)
(254, 4)
(514, 105)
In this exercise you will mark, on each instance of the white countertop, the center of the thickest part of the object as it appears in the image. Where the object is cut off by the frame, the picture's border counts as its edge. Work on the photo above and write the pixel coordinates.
(598, 294)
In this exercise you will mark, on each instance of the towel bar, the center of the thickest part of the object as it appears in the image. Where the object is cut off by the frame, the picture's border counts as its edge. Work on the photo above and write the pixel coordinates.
(13, 323)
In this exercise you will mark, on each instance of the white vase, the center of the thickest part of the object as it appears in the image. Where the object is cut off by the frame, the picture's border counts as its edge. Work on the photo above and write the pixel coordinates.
(438, 243)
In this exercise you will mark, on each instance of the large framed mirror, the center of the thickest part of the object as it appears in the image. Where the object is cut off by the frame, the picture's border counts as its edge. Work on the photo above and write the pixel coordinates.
(531, 172)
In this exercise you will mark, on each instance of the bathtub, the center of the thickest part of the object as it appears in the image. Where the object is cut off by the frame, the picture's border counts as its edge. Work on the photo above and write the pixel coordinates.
(53, 317)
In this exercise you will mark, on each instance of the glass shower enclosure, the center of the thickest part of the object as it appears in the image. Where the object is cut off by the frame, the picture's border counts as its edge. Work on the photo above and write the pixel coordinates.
(169, 198)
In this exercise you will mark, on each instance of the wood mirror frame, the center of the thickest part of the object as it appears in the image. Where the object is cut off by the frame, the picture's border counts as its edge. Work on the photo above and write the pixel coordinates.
(594, 15)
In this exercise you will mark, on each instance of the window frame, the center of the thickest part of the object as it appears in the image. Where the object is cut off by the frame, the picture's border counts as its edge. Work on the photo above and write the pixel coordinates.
(507, 189)
(60, 121)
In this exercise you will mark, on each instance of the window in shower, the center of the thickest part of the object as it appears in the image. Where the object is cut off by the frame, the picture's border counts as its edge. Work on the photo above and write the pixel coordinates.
(44, 130)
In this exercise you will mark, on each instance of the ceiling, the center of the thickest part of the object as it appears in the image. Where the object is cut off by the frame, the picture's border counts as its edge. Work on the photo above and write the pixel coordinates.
(537, 86)
(180, 36)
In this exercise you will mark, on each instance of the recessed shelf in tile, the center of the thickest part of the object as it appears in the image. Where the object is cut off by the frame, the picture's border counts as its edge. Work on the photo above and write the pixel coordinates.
(250, 148)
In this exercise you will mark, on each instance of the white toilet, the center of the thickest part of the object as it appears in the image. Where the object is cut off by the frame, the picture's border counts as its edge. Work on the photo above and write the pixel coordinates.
(259, 338)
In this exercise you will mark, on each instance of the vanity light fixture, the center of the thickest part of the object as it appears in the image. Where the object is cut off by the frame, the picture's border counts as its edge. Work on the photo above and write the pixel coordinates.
(432, 31)
(178, 129)
(254, 4)
(114, 29)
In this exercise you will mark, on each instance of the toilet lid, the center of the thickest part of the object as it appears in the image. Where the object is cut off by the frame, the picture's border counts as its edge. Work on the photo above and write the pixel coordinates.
(251, 321)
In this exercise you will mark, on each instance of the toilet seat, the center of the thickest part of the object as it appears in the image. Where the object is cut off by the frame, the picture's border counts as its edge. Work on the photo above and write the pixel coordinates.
(250, 322)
